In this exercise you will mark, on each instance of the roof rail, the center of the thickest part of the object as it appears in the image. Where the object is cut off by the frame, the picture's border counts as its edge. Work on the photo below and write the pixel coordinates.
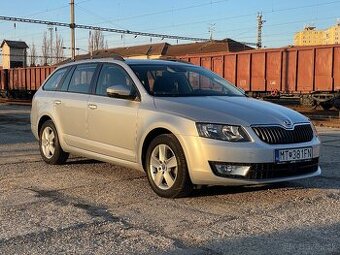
(175, 60)
(117, 57)
(114, 56)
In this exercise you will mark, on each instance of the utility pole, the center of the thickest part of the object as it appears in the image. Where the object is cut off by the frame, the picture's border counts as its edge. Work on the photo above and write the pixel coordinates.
(260, 22)
(211, 30)
(50, 28)
(72, 26)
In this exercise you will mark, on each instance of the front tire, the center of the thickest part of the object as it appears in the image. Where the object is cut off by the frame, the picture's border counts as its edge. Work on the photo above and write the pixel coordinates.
(49, 145)
(166, 167)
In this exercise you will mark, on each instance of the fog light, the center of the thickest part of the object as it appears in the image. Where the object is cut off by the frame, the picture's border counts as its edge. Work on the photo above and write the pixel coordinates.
(225, 169)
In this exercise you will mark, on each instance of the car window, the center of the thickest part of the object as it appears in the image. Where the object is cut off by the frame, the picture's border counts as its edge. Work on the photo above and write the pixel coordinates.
(53, 82)
(202, 82)
(81, 79)
(66, 82)
(113, 75)
(182, 80)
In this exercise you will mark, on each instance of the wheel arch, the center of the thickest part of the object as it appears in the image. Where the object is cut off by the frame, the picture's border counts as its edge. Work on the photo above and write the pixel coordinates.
(149, 137)
(42, 120)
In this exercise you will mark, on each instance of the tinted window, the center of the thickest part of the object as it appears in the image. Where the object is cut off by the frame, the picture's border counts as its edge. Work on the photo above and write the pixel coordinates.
(113, 75)
(183, 80)
(81, 79)
(54, 80)
(67, 80)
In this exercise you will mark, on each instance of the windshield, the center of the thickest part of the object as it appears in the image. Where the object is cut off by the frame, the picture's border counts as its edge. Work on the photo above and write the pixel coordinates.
(167, 80)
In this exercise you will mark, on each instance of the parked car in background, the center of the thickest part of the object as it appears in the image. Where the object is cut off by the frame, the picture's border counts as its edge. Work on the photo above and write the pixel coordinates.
(181, 124)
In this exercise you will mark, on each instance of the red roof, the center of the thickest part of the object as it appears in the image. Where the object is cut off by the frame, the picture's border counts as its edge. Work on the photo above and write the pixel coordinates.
(165, 49)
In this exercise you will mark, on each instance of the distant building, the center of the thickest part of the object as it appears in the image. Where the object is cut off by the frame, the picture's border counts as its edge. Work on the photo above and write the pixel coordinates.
(166, 50)
(311, 36)
(332, 34)
(226, 45)
(14, 54)
(150, 51)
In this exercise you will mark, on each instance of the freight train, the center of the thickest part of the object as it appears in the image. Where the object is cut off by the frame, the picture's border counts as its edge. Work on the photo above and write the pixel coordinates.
(311, 74)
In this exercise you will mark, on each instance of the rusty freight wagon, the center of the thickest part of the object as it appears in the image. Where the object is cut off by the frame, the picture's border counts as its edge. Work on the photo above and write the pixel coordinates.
(23, 82)
(312, 73)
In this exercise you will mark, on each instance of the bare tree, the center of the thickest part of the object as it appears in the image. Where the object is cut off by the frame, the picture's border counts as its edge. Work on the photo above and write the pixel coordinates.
(33, 55)
(96, 40)
(45, 49)
(59, 47)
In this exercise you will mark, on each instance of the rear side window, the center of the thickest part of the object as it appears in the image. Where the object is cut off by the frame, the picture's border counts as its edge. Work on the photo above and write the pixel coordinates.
(81, 79)
(66, 82)
(53, 82)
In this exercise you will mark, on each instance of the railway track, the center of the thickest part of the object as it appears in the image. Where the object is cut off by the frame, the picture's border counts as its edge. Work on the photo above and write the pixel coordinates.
(15, 101)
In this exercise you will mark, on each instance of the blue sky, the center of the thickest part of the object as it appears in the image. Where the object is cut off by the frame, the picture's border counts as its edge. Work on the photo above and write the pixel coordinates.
(235, 19)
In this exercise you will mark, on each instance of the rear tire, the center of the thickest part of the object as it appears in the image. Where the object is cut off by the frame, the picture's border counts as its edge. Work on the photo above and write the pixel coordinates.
(166, 167)
(49, 145)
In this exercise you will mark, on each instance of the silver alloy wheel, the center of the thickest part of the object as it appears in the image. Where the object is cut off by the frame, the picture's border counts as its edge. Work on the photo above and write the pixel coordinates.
(48, 142)
(163, 166)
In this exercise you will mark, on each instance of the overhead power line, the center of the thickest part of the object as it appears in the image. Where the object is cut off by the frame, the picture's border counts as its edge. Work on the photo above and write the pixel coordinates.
(36, 56)
(234, 17)
(172, 10)
(103, 29)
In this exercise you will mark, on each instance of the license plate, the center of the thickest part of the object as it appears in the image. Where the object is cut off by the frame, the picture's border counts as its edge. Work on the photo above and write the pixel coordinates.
(297, 154)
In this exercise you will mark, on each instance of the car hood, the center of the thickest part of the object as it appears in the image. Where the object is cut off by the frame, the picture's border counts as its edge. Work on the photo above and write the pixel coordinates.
(230, 110)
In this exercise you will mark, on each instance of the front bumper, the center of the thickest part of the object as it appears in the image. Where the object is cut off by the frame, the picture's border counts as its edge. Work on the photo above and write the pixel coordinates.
(200, 152)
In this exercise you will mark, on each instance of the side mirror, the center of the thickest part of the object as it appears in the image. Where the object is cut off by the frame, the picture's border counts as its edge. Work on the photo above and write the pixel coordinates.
(119, 91)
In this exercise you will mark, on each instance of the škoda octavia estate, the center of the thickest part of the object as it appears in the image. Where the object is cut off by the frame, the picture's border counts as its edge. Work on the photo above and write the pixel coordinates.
(181, 124)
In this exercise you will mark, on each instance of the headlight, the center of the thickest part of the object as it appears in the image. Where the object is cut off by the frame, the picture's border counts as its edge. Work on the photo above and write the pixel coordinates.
(228, 133)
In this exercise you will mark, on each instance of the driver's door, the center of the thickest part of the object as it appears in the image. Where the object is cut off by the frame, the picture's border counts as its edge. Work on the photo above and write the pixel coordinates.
(112, 121)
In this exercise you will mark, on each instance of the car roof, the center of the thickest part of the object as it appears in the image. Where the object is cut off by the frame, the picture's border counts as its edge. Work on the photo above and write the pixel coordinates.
(155, 62)
(130, 61)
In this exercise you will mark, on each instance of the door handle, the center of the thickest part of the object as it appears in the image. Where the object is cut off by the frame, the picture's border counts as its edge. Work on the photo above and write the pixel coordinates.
(57, 102)
(92, 106)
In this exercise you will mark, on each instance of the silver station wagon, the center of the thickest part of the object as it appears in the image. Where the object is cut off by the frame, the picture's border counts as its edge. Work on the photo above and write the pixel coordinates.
(183, 125)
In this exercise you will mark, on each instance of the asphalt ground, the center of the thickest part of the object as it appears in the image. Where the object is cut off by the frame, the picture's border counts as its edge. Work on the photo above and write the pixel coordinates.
(89, 207)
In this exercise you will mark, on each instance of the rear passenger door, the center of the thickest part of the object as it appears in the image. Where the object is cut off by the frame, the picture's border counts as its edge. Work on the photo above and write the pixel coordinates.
(112, 121)
(71, 104)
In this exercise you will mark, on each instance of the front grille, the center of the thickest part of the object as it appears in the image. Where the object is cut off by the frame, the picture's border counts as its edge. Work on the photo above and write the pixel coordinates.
(272, 170)
(279, 135)
(262, 171)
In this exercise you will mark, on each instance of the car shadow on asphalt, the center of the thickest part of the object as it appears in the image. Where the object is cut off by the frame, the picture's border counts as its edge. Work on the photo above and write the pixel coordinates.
(224, 190)
(83, 161)
(320, 182)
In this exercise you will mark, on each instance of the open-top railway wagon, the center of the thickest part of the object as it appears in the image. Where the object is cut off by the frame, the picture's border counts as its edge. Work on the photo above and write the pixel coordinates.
(310, 73)
(23, 82)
